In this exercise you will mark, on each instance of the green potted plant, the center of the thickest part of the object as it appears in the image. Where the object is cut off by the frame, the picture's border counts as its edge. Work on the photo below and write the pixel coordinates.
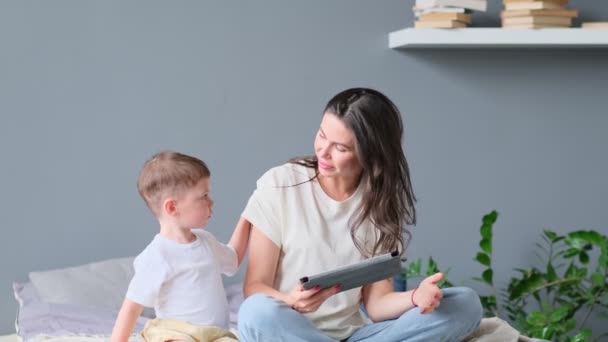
(552, 301)
(547, 301)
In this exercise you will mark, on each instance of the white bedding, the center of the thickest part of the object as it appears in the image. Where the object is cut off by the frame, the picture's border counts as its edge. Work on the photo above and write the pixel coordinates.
(135, 338)
(10, 338)
(490, 330)
(41, 320)
(15, 338)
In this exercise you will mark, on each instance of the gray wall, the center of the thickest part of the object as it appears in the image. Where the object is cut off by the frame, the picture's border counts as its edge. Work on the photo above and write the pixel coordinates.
(89, 90)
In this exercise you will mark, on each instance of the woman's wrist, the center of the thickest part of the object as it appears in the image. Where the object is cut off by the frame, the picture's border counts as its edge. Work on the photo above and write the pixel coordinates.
(285, 297)
(412, 297)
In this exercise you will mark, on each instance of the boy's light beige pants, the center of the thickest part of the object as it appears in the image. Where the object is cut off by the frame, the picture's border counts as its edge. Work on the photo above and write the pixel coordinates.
(163, 330)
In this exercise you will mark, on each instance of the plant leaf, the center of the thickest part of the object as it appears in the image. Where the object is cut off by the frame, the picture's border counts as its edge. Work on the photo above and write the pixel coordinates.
(603, 260)
(486, 231)
(582, 238)
(570, 253)
(486, 245)
(530, 283)
(570, 324)
(547, 332)
(487, 276)
(432, 267)
(597, 280)
(483, 259)
(550, 234)
(589, 236)
(537, 318)
(490, 218)
(582, 272)
(560, 313)
(551, 274)
(413, 269)
(582, 336)
(583, 257)
(571, 271)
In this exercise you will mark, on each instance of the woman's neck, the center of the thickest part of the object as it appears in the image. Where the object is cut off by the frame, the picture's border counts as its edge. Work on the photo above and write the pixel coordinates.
(339, 188)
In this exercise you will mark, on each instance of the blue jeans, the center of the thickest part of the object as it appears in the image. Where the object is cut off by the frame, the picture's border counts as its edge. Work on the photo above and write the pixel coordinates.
(263, 318)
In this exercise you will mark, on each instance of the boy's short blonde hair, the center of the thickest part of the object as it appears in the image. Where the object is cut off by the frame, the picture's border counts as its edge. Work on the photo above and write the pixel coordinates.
(169, 173)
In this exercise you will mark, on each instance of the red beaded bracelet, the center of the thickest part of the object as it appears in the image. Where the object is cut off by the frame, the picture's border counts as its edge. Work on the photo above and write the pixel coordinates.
(412, 297)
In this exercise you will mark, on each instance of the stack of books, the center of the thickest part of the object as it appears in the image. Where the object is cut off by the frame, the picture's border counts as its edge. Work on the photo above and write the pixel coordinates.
(537, 14)
(595, 25)
(446, 13)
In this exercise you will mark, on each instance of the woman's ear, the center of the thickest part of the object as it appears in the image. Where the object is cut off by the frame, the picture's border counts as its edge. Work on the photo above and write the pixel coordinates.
(170, 207)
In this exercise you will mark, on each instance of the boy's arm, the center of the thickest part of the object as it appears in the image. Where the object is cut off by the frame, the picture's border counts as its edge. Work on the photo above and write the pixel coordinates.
(125, 322)
(240, 238)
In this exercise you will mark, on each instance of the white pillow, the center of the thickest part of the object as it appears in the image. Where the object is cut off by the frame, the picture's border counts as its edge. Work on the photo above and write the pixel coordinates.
(100, 284)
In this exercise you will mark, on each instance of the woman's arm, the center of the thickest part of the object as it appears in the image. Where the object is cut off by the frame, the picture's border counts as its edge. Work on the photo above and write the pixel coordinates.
(382, 303)
(240, 237)
(125, 322)
(261, 272)
(262, 266)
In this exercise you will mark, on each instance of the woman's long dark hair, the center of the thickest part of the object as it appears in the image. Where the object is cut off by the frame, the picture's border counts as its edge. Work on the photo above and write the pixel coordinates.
(388, 198)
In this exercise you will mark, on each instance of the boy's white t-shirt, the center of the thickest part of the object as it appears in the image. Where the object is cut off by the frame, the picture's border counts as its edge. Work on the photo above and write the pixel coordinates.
(313, 232)
(183, 281)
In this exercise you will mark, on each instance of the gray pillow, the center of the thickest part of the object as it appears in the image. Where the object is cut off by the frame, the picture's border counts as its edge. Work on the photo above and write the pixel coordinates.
(100, 284)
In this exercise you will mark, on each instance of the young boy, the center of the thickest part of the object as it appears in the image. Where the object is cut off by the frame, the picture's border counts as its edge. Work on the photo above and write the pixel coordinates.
(179, 272)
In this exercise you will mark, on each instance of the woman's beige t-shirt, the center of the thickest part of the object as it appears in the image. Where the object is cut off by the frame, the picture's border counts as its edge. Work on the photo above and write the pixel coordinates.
(313, 233)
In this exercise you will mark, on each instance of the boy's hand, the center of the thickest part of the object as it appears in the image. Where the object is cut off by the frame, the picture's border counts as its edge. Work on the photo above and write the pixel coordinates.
(306, 301)
(428, 295)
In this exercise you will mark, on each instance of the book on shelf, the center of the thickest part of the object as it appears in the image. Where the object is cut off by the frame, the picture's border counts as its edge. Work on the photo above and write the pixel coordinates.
(465, 18)
(532, 5)
(531, 26)
(422, 11)
(595, 25)
(557, 21)
(478, 5)
(540, 13)
(559, 2)
(440, 24)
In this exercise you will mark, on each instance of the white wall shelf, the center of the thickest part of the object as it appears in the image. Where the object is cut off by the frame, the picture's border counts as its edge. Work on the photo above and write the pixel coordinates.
(498, 38)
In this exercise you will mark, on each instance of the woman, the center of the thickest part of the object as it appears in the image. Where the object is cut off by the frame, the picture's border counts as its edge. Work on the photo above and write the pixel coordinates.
(348, 202)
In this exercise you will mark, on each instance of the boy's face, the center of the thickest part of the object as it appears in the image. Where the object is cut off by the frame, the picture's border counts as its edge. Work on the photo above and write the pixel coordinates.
(196, 206)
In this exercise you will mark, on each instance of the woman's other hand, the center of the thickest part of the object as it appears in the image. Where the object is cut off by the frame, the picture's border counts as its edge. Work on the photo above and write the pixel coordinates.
(428, 295)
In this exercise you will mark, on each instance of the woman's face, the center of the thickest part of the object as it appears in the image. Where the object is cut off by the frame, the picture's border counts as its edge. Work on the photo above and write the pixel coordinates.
(335, 148)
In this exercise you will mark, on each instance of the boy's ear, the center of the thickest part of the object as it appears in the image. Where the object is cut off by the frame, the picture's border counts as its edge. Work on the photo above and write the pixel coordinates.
(170, 207)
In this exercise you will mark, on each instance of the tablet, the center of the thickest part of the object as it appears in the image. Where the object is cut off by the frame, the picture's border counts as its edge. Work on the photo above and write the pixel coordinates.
(362, 273)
